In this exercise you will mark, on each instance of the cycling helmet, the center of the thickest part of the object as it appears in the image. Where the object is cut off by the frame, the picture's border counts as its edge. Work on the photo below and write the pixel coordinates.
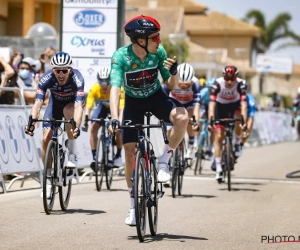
(210, 83)
(186, 72)
(103, 73)
(230, 72)
(61, 59)
(141, 26)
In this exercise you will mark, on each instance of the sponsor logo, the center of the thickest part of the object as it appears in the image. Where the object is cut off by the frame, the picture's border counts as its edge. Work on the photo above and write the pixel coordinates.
(25, 140)
(45, 78)
(140, 31)
(39, 91)
(13, 139)
(106, 2)
(76, 80)
(133, 66)
(128, 58)
(80, 93)
(95, 44)
(89, 18)
(148, 24)
(150, 62)
(3, 145)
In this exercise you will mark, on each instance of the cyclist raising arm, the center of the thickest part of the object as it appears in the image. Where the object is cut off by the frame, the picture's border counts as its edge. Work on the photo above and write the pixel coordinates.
(227, 98)
(137, 65)
(66, 100)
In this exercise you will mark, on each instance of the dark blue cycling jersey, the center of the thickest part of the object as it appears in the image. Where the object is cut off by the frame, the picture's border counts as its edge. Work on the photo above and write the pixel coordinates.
(72, 91)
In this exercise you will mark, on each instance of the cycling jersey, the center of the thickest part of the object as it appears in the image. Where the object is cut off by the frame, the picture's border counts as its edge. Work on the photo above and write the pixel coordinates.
(223, 95)
(140, 79)
(251, 105)
(204, 96)
(296, 104)
(188, 97)
(72, 91)
(97, 92)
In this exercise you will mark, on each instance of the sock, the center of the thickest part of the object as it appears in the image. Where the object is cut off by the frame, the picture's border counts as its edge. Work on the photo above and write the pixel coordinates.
(237, 139)
(72, 147)
(131, 199)
(195, 141)
(118, 154)
(94, 153)
(218, 164)
(191, 141)
(167, 154)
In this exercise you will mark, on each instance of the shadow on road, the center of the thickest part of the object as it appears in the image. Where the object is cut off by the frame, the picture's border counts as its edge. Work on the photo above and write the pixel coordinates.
(194, 195)
(168, 237)
(241, 189)
(248, 183)
(75, 211)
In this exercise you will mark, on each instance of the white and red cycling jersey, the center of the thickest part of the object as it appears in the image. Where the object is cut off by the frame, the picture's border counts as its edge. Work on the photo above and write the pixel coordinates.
(223, 95)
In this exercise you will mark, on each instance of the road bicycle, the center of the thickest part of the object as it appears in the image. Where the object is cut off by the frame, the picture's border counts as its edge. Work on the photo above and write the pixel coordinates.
(56, 172)
(146, 190)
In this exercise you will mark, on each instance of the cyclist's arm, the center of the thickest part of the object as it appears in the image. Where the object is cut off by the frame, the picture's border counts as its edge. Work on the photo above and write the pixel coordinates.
(90, 99)
(79, 100)
(170, 80)
(212, 103)
(116, 77)
(196, 101)
(295, 107)
(242, 88)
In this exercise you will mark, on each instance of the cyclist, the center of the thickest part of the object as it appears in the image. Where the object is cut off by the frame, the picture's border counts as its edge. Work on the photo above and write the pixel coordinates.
(204, 102)
(227, 99)
(136, 66)
(251, 107)
(101, 91)
(66, 100)
(296, 105)
(188, 94)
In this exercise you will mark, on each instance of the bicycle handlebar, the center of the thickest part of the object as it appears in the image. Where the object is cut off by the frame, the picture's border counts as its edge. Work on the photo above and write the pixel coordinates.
(227, 120)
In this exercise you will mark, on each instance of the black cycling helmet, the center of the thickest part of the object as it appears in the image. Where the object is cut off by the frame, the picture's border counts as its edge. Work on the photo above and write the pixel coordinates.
(141, 26)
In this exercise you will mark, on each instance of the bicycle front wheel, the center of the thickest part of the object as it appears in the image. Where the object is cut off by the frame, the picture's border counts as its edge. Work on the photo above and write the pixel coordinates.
(182, 164)
(109, 171)
(49, 185)
(228, 163)
(153, 209)
(140, 199)
(175, 173)
(65, 190)
(100, 164)
(199, 154)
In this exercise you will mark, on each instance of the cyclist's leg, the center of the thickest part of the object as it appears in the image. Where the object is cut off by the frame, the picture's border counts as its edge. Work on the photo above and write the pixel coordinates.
(238, 131)
(118, 156)
(191, 134)
(249, 128)
(171, 111)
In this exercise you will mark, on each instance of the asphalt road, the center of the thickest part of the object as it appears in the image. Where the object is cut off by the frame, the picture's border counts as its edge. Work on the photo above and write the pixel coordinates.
(263, 203)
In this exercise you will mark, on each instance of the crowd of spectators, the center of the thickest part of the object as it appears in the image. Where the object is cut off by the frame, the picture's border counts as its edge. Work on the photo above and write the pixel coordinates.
(23, 73)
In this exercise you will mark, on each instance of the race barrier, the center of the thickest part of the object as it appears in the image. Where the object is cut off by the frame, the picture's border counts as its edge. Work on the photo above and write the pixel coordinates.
(20, 154)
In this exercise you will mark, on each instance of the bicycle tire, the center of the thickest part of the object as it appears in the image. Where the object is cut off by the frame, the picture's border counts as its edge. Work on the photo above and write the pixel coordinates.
(153, 210)
(181, 169)
(228, 163)
(109, 172)
(198, 163)
(64, 201)
(99, 166)
(140, 196)
(175, 167)
(50, 152)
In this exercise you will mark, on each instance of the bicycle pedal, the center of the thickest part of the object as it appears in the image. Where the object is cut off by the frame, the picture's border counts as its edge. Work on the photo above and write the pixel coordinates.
(150, 202)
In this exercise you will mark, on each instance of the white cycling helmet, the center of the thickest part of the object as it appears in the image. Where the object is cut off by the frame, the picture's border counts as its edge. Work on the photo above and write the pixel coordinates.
(186, 72)
(103, 73)
(61, 59)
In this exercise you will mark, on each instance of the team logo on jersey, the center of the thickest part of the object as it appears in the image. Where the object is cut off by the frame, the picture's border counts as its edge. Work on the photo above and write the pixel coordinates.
(128, 58)
(133, 66)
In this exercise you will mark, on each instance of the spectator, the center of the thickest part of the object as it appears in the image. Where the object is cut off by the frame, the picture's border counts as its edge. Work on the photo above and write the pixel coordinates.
(277, 101)
(202, 81)
(6, 73)
(45, 58)
(15, 58)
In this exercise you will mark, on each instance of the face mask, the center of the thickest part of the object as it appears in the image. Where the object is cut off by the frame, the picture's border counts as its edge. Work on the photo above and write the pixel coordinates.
(24, 73)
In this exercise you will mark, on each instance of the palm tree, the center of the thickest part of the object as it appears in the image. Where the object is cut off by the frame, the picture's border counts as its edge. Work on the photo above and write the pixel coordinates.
(278, 28)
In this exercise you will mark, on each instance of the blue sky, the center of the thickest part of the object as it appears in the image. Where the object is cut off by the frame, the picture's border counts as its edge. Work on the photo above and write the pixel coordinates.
(271, 8)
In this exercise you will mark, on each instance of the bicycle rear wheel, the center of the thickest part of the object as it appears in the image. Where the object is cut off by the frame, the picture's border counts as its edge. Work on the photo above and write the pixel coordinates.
(228, 163)
(65, 191)
(50, 169)
(100, 164)
(140, 199)
(153, 209)
(109, 171)
(199, 154)
(175, 172)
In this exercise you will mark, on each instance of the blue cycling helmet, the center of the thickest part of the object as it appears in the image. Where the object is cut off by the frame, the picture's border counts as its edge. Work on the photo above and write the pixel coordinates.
(210, 82)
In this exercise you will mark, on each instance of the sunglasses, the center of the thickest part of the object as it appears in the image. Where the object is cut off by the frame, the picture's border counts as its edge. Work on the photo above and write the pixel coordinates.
(155, 38)
(227, 78)
(184, 84)
(104, 83)
(63, 71)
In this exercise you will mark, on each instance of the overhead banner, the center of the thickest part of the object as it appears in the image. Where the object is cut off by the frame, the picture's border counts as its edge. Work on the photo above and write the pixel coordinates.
(89, 35)
(274, 64)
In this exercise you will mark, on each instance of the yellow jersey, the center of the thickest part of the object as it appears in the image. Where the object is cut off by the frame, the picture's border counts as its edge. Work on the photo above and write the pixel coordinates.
(97, 92)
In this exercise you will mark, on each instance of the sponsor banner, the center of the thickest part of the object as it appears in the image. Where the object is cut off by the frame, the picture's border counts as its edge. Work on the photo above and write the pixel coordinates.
(17, 150)
(274, 64)
(91, 3)
(89, 67)
(89, 44)
(90, 20)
